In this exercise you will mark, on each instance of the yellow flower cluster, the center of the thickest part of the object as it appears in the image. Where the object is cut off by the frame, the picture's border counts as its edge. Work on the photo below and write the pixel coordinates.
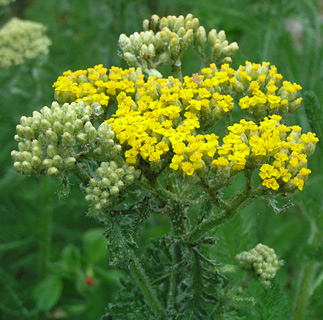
(162, 120)
(94, 84)
(263, 91)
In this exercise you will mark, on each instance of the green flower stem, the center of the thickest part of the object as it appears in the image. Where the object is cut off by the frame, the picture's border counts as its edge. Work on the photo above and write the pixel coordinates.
(237, 204)
(304, 289)
(145, 287)
(177, 69)
(306, 280)
(178, 224)
(46, 230)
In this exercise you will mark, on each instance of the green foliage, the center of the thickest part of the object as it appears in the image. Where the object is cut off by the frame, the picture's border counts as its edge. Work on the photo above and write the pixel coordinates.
(84, 34)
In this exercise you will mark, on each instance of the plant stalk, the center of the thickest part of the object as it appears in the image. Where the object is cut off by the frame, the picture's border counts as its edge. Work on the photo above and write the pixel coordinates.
(46, 230)
(145, 287)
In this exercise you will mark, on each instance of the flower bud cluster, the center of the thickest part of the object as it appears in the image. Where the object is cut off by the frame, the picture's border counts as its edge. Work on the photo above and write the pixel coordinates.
(165, 39)
(21, 40)
(262, 91)
(262, 260)
(108, 181)
(52, 140)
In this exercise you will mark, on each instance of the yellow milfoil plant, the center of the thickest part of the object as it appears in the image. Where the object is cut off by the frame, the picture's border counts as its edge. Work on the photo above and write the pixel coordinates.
(140, 142)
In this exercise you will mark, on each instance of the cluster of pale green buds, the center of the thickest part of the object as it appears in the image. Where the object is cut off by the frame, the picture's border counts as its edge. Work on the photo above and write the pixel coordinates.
(164, 40)
(107, 182)
(262, 260)
(55, 139)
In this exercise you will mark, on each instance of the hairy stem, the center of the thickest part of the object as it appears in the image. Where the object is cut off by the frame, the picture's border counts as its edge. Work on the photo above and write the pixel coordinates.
(237, 204)
(145, 286)
(177, 70)
(178, 224)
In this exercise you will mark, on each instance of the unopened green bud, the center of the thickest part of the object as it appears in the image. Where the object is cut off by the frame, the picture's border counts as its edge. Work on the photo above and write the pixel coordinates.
(188, 39)
(120, 184)
(68, 127)
(113, 165)
(93, 182)
(105, 183)
(36, 162)
(69, 162)
(78, 125)
(179, 23)
(119, 172)
(82, 138)
(92, 134)
(27, 167)
(27, 156)
(128, 179)
(195, 24)
(18, 166)
(114, 190)
(114, 178)
(20, 130)
(45, 125)
(51, 136)
(151, 51)
(51, 151)
(130, 58)
(201, 37)
(212, 37)
(21, 146)
(37, 152)
(154, 22)
(52, 171)
(57, 161)
(221, 36)
(174, 46)
(67, 139)
(143, 52)
(104, 202)
(58, 128)
(145, 25)
(96, 191)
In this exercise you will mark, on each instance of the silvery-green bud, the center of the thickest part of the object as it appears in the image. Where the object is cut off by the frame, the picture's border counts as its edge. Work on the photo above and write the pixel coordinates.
(174, 46)
(51, 136)
(113, 165)
(104, 202)
(114, 190)
(68, 127)
(105, 183)
(181, 32)
(124, 42)
(37, 152)
(27, 167)
(143, 53)
(57, 161)
(212, 37)
(78, 125)
(154, 22)
(27, 156)
(136, 41)
(82, 138)
(189, 17)
(179, 23)
(119, 172)
(21, 146)
(114, 178)
(96, 191)
(92, 134)
(35, 126)
(147, 37)
(201, 36)
(105, 194)
(221, 36)
(188, 39)
(128, 179)
(44, 125)
(92, 182)
(120, 184)
(69, 162)
(20, 130)
(51, 151)
(67, 139)
(18, 166)
(58, 128)
(52, 171)
(145, 25)
(130, 58)
(36, 162)
(195, 24)
(151, 51)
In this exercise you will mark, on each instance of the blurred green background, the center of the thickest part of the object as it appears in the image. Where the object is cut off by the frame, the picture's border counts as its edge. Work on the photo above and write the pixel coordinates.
(53, 262)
